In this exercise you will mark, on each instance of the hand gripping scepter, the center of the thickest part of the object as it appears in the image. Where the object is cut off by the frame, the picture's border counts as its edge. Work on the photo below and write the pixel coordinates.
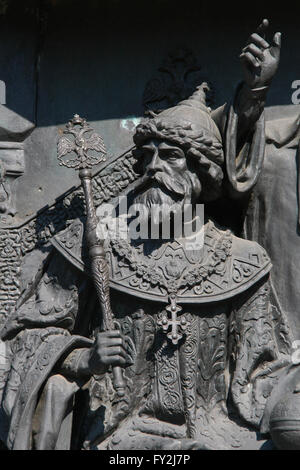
(82, 145)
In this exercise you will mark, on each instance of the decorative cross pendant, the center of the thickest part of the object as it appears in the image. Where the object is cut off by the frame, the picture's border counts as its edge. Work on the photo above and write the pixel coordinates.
(178, 326)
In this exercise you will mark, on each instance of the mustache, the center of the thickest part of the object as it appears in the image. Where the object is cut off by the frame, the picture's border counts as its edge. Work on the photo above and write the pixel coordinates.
(154, 196)
(173, 186)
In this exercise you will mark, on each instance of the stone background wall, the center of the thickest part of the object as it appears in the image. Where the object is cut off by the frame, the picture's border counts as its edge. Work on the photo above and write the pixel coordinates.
(62, 57)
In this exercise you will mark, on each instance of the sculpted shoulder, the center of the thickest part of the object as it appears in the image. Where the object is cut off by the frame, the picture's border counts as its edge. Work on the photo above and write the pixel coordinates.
(229, 265)
(71, 244)
(248, 249)
(250, 262)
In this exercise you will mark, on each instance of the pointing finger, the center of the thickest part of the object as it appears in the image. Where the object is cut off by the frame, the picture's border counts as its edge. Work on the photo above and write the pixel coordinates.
(261, 30)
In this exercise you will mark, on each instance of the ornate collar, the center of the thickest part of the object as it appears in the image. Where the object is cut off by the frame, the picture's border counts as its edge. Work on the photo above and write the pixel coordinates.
(228, 265)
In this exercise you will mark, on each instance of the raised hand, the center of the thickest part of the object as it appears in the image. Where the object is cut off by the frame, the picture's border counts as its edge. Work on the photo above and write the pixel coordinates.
(259, 58)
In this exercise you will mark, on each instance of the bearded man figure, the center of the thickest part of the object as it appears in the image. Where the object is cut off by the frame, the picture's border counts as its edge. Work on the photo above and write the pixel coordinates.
(199, 335)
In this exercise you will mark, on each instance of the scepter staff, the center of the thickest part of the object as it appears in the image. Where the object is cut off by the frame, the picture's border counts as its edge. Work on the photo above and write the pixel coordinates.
(82, 145)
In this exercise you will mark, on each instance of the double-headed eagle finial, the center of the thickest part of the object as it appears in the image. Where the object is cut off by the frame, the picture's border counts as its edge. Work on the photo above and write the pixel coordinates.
(82, 145)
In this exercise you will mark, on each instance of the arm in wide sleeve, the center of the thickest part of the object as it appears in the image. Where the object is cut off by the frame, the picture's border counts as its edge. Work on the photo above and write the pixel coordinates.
(52, 299)
(245, 140)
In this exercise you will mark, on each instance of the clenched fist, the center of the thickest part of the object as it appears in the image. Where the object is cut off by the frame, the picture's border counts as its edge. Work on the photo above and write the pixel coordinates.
(111, 348)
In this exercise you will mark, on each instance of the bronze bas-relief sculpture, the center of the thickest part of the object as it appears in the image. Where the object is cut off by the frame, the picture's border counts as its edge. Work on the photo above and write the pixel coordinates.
(202, 341)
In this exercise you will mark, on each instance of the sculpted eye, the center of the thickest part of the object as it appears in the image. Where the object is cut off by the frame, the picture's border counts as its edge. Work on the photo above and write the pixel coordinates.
(174, 154)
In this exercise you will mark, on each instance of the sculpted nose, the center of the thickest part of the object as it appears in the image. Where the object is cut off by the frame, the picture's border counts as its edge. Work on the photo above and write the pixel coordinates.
(154, 165)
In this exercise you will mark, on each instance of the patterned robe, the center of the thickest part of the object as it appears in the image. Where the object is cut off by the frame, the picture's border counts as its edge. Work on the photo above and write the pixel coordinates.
(207, 391)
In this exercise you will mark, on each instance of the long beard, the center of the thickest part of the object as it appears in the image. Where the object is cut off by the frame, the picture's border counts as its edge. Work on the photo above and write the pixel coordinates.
(166, 196)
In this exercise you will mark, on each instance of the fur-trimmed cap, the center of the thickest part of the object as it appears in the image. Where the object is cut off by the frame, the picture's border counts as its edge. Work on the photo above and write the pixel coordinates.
(188, 124)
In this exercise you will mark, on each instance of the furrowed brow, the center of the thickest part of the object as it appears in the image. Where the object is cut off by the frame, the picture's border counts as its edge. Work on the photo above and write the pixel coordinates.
(147, 147)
